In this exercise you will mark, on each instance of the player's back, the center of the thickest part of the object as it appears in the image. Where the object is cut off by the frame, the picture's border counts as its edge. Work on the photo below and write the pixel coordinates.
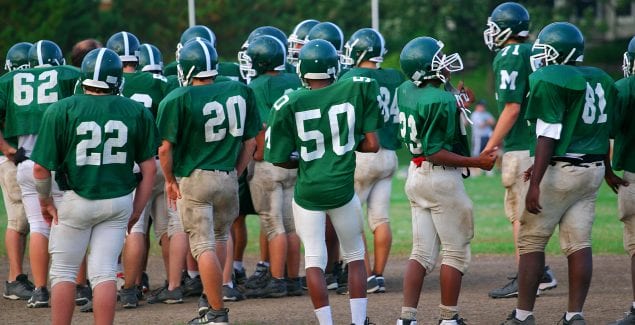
(103, 137)
(329, 124)
(269, 88)
(557, 95)
(146, 88)
(512, 68)
(591, 134)
(430, 112)
(622, 127)
(207, 125)
(25, 95)
(388, 80)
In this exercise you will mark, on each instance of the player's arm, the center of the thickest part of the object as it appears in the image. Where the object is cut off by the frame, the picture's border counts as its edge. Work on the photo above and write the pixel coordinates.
(259, 153)
(144, 190)
(543, 153)
(43, 185)
(369, 143)
(485, 160)
(171, 186)
(506, 121)
(6, 149)
(246, 153)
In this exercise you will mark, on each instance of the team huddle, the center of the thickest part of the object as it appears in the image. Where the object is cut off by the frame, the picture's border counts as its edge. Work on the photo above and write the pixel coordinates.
(301, 131)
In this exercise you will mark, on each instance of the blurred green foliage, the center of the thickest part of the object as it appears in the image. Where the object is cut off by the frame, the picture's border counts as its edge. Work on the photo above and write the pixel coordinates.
(459, 23)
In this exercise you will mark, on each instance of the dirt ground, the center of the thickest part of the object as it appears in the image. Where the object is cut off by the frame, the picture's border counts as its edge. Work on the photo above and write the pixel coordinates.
(609, 297)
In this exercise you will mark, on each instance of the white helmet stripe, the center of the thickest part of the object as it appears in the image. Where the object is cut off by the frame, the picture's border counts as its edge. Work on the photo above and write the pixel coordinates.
(100, 57)
(126, 46)
(208, 64)
(40, 60)
(150, 54)
(282, 48)
(211, 35)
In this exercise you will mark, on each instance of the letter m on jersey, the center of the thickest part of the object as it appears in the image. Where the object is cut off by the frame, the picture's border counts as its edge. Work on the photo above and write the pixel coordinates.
(508, 80)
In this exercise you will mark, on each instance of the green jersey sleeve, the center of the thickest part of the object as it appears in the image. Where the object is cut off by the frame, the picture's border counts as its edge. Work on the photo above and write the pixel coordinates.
(439, 125)
(48, 151)
(149, 140)
(545, 103)
(281, 131)
(169, 115)
(373, 118)
(253, 123)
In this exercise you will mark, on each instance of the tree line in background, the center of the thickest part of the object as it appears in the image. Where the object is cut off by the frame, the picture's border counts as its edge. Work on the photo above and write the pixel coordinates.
(458, 23)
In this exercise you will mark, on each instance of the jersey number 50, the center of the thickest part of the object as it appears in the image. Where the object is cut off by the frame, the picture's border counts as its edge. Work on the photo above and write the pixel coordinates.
(318, 137)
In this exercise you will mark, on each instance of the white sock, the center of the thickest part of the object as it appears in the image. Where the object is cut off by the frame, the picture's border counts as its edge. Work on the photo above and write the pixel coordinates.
(265, 263)
(633, 304)
(570, 315)
(229, 284)
(522, 315)
(193, 274)
(408, 313)
(358, 310)
(448, 322)
(324, 315)
(238, 265)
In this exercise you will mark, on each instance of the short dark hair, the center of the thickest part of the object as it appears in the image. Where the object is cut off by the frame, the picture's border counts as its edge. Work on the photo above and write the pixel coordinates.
(97, 90)
(81, 48)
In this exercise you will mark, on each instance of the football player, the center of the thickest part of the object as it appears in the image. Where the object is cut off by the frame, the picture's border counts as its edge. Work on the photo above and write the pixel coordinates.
(24, 96)
(193, 32)
(17, 285)
(624, 159)
(364, 51)
(220, 120)
(272, 186)
(93, 139)
(433, 130)
(297, 39)
(569, 109)
(326, 123)
(506, 33)
(81, 48)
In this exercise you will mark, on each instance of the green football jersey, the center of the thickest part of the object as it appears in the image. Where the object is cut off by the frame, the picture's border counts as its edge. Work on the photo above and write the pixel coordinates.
(208, 124)
(580, 99)
(388, 81)
(511, 71)
(26, 94)
(146, 88)
(430, 120)
(94, 141)
(624, 126)
(325, 126)
(170, 69)
(230, 70)
(267, 89)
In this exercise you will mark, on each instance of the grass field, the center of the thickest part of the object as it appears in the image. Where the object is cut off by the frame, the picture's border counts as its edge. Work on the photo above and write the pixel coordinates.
(492, 231)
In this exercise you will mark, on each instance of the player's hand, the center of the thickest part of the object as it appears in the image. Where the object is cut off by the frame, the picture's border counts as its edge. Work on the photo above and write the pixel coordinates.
(487, 158)
(134, 217)
(532, 199)
(49, 211)
(466, 94)
(614, 181)
(173, 193)
(9, 152)
(527, 173)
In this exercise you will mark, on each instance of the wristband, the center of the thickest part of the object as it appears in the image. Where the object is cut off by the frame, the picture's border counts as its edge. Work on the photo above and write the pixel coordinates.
(43, 187)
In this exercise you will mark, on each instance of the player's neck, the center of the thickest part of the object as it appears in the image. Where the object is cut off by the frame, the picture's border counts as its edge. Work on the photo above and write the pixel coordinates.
(272, 73)
(129, 69)
(319, 83)
(202, 82)
(368, 65)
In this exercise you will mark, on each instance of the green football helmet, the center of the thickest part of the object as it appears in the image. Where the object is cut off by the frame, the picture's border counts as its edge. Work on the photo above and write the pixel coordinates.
(557, 43)
(102, 68)
(298, 38)
(243, 60)
(507, 19)
(18, 56)
(150, 59)
(629, 56)
(197, 31)
(365, 44)
(422, 59)
(198, 59)
(265, 53)
(45, 53)
(329, 32)
(126, 45)
(318, 59)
